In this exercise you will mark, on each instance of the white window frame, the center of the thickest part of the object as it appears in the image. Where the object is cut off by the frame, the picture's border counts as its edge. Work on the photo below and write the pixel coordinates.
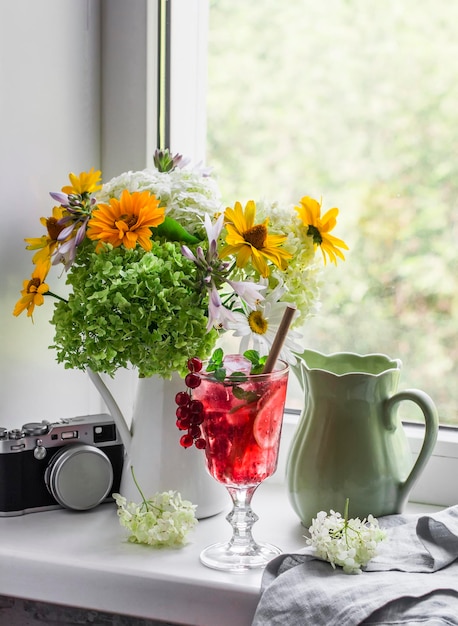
(188, 77)
(188, 73)
(129, 80)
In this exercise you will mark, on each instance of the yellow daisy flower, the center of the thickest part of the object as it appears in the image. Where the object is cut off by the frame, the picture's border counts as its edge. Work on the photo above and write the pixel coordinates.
(126, 221)
(86, 182)
(47, 243)
(250, 241)
(319, 227)
(33, 290)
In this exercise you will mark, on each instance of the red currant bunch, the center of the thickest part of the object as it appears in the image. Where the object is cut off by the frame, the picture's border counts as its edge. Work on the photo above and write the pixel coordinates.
(190, 412)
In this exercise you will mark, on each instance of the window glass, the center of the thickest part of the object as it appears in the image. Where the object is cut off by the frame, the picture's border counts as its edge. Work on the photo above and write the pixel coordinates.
(353, 102)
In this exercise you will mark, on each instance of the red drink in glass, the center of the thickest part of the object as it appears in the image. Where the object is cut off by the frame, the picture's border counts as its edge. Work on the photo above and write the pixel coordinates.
(242, 427)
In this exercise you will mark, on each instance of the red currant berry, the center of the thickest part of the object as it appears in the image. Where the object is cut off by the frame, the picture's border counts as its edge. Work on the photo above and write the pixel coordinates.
(182, 425)
(196, 407)
(186, 441)
(195, 432)
(192, 381)
(182, 398)
(194, 364)
(197, 419)
(200, 443)
(182, 411)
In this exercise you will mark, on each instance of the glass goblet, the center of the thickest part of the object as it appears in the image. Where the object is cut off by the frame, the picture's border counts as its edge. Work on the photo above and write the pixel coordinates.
(242, 423)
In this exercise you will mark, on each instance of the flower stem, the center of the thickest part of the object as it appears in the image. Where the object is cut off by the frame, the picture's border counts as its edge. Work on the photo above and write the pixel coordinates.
(145, 502)
(347, 504)
(54, 295)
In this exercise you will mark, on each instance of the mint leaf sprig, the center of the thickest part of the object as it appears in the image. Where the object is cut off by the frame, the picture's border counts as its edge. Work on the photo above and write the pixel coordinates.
(216, 365)
(257, 362)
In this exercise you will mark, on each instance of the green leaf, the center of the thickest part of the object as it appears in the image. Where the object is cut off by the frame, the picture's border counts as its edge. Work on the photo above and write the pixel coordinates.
(257, 361)
(216, 360)
(258, 368)
(238, 377)
(173, 231)
(220, 374)
(248, 396)
(252, 355)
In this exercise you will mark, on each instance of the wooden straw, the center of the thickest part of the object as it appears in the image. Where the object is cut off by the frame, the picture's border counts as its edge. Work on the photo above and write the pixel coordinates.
(279, 339)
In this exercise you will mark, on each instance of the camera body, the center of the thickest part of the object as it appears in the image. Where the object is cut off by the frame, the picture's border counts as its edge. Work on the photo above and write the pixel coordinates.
(74, 463)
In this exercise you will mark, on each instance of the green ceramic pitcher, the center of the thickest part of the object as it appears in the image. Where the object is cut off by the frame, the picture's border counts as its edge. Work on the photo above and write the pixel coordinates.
(350, 442)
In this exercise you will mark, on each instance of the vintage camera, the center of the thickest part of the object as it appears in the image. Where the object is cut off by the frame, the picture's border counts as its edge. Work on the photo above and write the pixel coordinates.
(74, 463)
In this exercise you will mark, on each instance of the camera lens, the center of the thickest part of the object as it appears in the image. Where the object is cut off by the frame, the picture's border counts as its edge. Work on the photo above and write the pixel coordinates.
(79, 476)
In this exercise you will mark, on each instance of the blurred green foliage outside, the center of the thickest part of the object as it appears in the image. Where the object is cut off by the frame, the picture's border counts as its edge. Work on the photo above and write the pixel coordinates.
(354, 102)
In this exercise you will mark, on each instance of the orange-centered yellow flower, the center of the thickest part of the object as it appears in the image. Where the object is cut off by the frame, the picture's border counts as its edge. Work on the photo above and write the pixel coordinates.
(126, 221)
(250, 241)
(86, 182)
(319, 228)
(46, 244)
(32, 293)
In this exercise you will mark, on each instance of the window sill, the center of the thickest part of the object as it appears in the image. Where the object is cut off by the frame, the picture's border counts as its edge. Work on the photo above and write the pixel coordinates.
(86, 562)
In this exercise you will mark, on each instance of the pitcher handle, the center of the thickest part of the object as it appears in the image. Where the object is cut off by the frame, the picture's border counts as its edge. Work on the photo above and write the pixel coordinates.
(113, 407)
(428, 408)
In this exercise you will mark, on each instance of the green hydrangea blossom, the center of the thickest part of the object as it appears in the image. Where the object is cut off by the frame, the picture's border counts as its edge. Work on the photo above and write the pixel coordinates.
(131, 307)
(162, 521)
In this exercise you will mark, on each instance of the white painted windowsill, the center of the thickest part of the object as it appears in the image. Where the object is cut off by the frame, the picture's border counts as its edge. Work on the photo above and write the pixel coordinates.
(83, 560)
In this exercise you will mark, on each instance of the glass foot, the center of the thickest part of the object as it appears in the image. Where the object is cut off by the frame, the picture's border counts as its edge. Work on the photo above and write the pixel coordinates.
(226, 556)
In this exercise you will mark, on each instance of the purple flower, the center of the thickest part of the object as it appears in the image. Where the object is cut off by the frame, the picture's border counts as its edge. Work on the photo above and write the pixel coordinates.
(213, 273)
(61, 198)
(218, 314)
(248, 291)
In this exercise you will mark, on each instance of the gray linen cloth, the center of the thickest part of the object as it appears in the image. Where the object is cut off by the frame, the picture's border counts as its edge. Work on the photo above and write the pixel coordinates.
(413, 580)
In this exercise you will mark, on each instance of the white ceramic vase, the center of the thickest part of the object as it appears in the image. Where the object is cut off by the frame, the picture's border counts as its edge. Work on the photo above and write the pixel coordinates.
(153, 448)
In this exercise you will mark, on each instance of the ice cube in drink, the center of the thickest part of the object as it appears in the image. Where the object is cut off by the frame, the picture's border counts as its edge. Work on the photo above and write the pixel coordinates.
(236, 363)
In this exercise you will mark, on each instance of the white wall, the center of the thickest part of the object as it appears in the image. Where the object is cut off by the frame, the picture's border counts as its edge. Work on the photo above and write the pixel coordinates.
(49, 126)
(77, 90)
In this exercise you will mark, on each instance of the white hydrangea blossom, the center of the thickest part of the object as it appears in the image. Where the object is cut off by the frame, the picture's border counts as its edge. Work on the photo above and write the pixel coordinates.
(302, 276)
(162, 521)
(349, 543)
(188, 194)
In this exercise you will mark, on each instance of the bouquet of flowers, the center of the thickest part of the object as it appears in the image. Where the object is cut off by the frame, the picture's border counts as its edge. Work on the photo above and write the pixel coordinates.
(157, 269)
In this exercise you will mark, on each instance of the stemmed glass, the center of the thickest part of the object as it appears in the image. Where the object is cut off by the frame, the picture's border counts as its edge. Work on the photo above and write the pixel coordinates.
(242, 425)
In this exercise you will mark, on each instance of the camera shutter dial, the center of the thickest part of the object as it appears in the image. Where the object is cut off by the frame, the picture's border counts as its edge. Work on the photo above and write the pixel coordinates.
(35, 428)
(79, 476)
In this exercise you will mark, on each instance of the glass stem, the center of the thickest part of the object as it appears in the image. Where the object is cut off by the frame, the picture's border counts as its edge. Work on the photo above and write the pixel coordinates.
(242, 518)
